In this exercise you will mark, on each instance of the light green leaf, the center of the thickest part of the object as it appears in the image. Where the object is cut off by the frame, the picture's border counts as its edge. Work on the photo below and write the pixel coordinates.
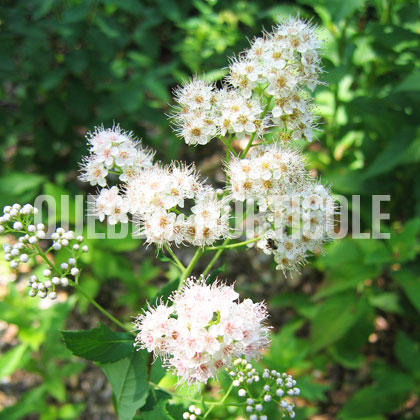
(13, 359)
(29, 403)
(387, 301)
(128, 378)
(335, 317)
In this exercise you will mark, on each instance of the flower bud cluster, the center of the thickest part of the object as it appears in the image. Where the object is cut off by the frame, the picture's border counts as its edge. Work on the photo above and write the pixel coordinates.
(193, 413)
(19, 220)
(203, 330)
(276, 388)
(113, 149)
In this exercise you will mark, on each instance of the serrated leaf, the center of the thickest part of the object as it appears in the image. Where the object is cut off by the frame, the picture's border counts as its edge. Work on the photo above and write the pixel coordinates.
(128, 378)
(99, 344)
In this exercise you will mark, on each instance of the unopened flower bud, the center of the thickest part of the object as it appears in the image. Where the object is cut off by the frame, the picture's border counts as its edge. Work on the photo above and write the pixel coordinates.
(56, 246)
(17, 226)
(74, 271)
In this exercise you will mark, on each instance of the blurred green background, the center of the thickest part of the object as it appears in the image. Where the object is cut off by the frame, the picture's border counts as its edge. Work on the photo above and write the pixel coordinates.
(348, 326)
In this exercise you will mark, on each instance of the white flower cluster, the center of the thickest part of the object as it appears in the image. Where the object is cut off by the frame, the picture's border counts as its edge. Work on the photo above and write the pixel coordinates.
(203, 330)
(297, 212)
(155, 198)
(267, 171)
(277, 71)
(276, 388)
(297, 225)
(19, 219)
(283, 64)
(204, 112)
(113, 149)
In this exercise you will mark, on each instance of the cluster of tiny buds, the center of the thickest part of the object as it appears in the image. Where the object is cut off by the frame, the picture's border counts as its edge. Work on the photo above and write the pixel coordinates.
(276, 387)
(19, 219)
(62, 238)
(193, 413)
(13, 214)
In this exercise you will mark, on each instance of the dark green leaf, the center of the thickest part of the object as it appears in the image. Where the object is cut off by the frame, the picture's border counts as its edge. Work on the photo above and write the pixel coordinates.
(407, 352)
(99, 344)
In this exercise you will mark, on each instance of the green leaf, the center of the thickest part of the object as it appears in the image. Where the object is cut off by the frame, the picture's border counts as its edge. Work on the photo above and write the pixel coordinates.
(411, 83)
(337, 9)
(13, 359)
(157, 371)
(17, 183)
(347, 351)
(155, 407)
(56, 388)
(389, 393)
(387, 301)
(166, 291)
(334, 318)
(300, 302)
(28, 404)
(411, 286)
(407, 352)
(392, 154)
(405, 245)
(99, 344)
(128, 378)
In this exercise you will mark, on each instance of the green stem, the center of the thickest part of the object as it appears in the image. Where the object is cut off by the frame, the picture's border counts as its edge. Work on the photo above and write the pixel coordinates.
(221, 402)
(215, 258)
(175, 258)
(100, 308)
(228, 145)
(236, 245)
(190, 266)
(78, 288)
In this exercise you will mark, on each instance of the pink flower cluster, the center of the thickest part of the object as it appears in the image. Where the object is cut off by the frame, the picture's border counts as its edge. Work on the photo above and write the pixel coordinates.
(204, 330)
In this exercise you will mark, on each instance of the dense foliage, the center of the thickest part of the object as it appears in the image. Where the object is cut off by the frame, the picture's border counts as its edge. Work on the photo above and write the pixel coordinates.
(347, 328)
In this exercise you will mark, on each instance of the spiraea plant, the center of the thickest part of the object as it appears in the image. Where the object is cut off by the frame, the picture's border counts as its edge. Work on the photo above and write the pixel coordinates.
(261, 113)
